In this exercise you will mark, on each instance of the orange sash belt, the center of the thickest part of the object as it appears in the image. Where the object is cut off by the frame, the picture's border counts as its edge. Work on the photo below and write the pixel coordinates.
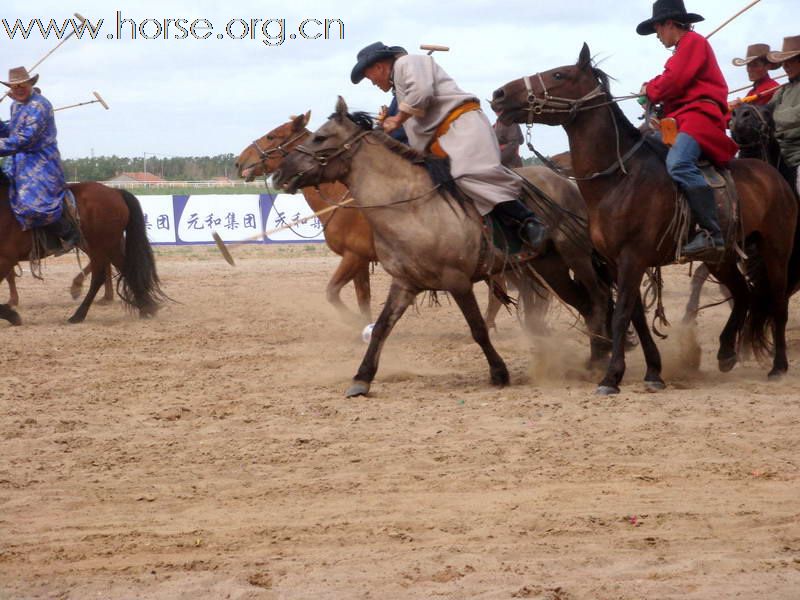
(444, 127)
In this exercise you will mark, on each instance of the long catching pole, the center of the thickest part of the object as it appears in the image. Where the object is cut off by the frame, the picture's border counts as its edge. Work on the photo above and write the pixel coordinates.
(78, 16)
(98, 97)
(738, 14)
(747, 87)
(225, 251)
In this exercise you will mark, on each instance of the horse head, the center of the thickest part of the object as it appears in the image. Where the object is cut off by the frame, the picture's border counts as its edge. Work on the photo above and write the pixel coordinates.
(264, 155)
(326, 156)
(752, 126)
(551, 97)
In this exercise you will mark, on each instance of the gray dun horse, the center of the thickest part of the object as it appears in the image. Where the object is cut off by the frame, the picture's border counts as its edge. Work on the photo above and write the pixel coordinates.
(426, 238)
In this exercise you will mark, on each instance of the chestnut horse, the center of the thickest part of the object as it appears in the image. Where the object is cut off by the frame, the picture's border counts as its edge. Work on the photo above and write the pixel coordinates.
(347, 232)
(632, 202)
(426, 237)
(113, 230)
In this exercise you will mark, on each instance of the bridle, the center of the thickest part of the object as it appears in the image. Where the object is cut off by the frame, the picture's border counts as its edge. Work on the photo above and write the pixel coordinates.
(324, 156)
(548, 104)
(265, 155)
(553, 104)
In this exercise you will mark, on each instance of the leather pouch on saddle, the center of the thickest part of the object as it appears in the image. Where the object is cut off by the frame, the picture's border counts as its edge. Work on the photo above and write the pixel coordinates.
(669, 131)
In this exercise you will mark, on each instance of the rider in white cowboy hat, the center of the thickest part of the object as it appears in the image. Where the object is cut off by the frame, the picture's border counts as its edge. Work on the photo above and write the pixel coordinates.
(758, 68)
(37, 183)
(441, 118)
(786, 108)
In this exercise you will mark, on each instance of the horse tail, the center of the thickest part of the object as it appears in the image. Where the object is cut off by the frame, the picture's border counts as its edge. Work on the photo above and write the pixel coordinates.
(139, 285)
(759, 320)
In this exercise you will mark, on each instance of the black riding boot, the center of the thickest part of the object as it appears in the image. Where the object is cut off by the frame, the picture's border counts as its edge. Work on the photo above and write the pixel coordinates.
(65, 230)
(707, 243)
(531, 230)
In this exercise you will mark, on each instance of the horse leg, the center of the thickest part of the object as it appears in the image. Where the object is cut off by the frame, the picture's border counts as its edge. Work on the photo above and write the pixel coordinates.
(363, 294)
(77, 283)
(535, 303)
(555, 272)
(494, 304)
(13, 294)
(108, 288)
(345, 272)
(98, 278)
(698, 279)
(6, 312)
(728, 354)
(628, 283)
(775, 264)
(652, 357)
(399, 299)
(480, 333)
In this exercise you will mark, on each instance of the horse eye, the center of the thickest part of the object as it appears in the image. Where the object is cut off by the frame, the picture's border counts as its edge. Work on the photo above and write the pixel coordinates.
(318, 139)
(557, 76)
(270, 138)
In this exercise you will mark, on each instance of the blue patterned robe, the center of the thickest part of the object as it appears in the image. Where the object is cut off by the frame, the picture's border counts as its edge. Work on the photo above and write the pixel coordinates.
(37, 184)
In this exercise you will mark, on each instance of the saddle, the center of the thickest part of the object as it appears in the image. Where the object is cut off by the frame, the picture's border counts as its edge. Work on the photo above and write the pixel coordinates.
(45, 242)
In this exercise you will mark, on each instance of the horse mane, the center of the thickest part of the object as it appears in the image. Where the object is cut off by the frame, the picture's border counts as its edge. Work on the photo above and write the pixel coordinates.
(438, 168)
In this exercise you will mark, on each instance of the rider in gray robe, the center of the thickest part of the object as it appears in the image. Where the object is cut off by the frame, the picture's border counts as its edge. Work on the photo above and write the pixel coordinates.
(436, 112)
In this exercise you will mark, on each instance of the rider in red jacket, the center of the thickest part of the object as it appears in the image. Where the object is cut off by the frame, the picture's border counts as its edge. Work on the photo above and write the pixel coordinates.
(694, 93)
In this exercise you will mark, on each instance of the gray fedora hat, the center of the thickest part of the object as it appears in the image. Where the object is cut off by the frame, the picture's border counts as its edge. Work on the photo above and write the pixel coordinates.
(19, 75)
(372, 54)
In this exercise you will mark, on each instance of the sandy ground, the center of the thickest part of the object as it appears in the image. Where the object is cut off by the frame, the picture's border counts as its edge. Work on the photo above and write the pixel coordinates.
(210, 453)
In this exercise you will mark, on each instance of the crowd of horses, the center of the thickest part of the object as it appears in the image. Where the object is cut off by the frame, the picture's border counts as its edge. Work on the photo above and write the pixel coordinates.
(616, 223)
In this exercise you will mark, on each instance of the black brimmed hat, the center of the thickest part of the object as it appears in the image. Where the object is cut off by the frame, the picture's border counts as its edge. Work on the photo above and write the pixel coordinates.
(664, 10)
(372, 54)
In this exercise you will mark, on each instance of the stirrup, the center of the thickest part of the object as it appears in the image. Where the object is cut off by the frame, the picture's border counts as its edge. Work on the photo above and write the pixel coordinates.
(710, 250)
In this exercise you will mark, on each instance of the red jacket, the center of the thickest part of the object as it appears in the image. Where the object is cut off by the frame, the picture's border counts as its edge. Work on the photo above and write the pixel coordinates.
(768, 83)
(695, 94)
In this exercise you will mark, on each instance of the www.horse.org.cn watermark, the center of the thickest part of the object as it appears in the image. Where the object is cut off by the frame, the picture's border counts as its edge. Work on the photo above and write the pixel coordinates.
(271, 32)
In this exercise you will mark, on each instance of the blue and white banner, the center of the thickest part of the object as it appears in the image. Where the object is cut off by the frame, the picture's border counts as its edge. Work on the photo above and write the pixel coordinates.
(193, 219)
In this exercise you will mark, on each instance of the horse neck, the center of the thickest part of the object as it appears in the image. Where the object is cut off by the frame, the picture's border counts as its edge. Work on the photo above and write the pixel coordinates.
(595, 144)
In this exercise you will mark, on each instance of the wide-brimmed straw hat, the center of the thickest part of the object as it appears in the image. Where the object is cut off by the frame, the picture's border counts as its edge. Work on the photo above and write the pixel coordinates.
(754, 52)
(19, 75)
(372, 54)
(664, 10)
(791, 48)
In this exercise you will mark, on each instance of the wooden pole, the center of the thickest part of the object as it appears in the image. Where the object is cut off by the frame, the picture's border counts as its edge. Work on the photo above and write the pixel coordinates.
(225, 250)
(738, 14)
(41, 60)
(747, 87)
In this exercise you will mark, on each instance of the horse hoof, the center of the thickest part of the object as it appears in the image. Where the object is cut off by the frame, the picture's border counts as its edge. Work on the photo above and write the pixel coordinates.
(500, 378)
(15, 320)
(359, 388)
(74, 319)
(776, 374)
(727, 364)
(655, 386)
(606, 390)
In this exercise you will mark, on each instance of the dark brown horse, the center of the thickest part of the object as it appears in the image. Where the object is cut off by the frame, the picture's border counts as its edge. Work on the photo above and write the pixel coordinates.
(113, 230)
(632, 202)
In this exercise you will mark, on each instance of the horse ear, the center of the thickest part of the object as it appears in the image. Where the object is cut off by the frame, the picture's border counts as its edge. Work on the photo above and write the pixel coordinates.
(585, 59)
(306, 118)
(341, 108)
(299, 122)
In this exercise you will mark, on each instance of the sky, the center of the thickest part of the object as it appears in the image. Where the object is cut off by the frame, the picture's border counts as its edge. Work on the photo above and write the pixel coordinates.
(195, 97)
